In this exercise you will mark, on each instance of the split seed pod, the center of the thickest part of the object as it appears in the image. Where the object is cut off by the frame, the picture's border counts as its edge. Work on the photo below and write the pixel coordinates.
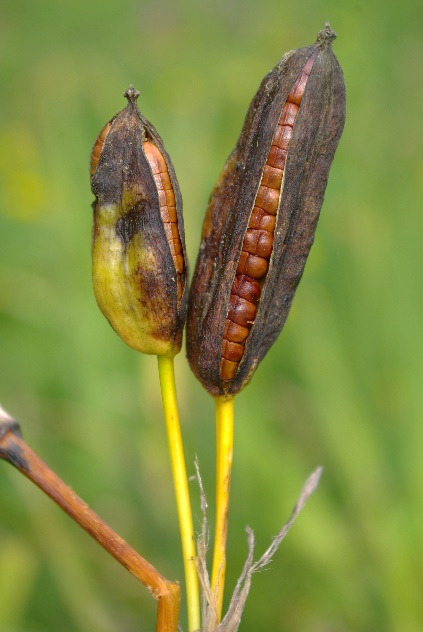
(138, 244)
(262, 216)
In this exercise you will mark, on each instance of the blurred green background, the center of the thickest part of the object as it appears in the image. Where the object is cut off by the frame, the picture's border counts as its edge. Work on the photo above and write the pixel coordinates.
(343, 385)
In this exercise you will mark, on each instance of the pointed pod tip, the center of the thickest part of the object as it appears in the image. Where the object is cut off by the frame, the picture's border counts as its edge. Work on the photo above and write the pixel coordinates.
(131, 94)
(326, 36)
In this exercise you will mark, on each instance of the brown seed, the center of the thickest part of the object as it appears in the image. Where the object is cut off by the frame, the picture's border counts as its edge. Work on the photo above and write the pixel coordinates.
(267, 199)
(283, 136)
(241, 311)
(171, 230)
(162, 181)
(228, 369)
(168, 213)
(232, 351)
(234, 332)
(179, 263)
(246, 287)
(272, 177)
(297, 91)
(254, 266)
(155, 159)
(263, 220)
(175, 247)
(289, 114)
(259, 242)
(170, 197)
(277, 157)
(161, 193)
(167, 202)
(179, 291)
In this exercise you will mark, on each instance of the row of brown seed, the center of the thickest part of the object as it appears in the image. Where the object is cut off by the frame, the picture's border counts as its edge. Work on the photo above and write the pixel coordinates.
(259, 226)
(258, 241)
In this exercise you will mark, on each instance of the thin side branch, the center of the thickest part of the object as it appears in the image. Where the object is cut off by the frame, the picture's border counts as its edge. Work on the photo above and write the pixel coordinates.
(14, 450)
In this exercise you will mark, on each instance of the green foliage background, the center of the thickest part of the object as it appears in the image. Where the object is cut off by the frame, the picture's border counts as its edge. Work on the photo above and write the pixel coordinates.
(342, 386)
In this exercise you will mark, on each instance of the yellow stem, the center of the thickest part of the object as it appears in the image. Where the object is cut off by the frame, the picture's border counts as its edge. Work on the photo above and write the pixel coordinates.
(170, 406)
(224, 407)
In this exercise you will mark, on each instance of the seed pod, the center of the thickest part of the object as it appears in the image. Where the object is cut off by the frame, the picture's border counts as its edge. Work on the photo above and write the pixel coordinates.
(138, 245)
(262, 216)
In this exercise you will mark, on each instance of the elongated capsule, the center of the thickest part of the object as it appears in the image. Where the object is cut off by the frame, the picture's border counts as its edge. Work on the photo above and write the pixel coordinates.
(138, 244)
(262, 216)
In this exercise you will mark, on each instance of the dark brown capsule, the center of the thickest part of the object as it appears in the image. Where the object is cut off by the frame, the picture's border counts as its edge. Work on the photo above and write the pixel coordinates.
(262, 216)
(139, 260)
(258, 241)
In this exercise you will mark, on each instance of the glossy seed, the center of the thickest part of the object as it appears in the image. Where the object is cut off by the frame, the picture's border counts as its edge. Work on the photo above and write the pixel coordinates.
(258, 240)
(241, 311)
(228, 369)
(283, 136)
(167, 202)
(179, 263)
(277, 157)
(246, 287)
(169, 213)
(268, 199)
(289, 114)
(263, 220)
(272, 177)
(234, 332)
(171, 230)
(232, 351)
(254, 266)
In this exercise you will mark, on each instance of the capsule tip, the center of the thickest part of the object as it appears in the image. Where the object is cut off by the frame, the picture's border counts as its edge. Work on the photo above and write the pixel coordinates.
(131, 94)
(326, 36)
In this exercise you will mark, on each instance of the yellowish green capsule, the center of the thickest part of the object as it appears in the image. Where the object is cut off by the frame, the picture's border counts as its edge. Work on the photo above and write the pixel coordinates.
(138, 242)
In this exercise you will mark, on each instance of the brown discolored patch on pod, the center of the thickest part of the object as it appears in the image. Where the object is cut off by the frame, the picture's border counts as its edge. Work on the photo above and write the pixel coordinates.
(262, 216)
(139, 256)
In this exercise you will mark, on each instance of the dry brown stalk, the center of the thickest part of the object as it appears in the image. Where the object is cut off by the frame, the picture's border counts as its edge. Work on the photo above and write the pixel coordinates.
(14, 450)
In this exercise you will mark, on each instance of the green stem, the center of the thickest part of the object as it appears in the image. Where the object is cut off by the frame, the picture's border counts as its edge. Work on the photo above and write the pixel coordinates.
(170, 406)
(224, 407)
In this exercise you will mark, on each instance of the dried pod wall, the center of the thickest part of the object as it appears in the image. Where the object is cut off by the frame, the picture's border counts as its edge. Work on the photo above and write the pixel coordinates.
(262, 216)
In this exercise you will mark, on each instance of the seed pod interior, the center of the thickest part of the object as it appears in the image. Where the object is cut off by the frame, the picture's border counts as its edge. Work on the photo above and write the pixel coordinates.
(168, 212)
(257, 247)
(139, 259)
(230, 247)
